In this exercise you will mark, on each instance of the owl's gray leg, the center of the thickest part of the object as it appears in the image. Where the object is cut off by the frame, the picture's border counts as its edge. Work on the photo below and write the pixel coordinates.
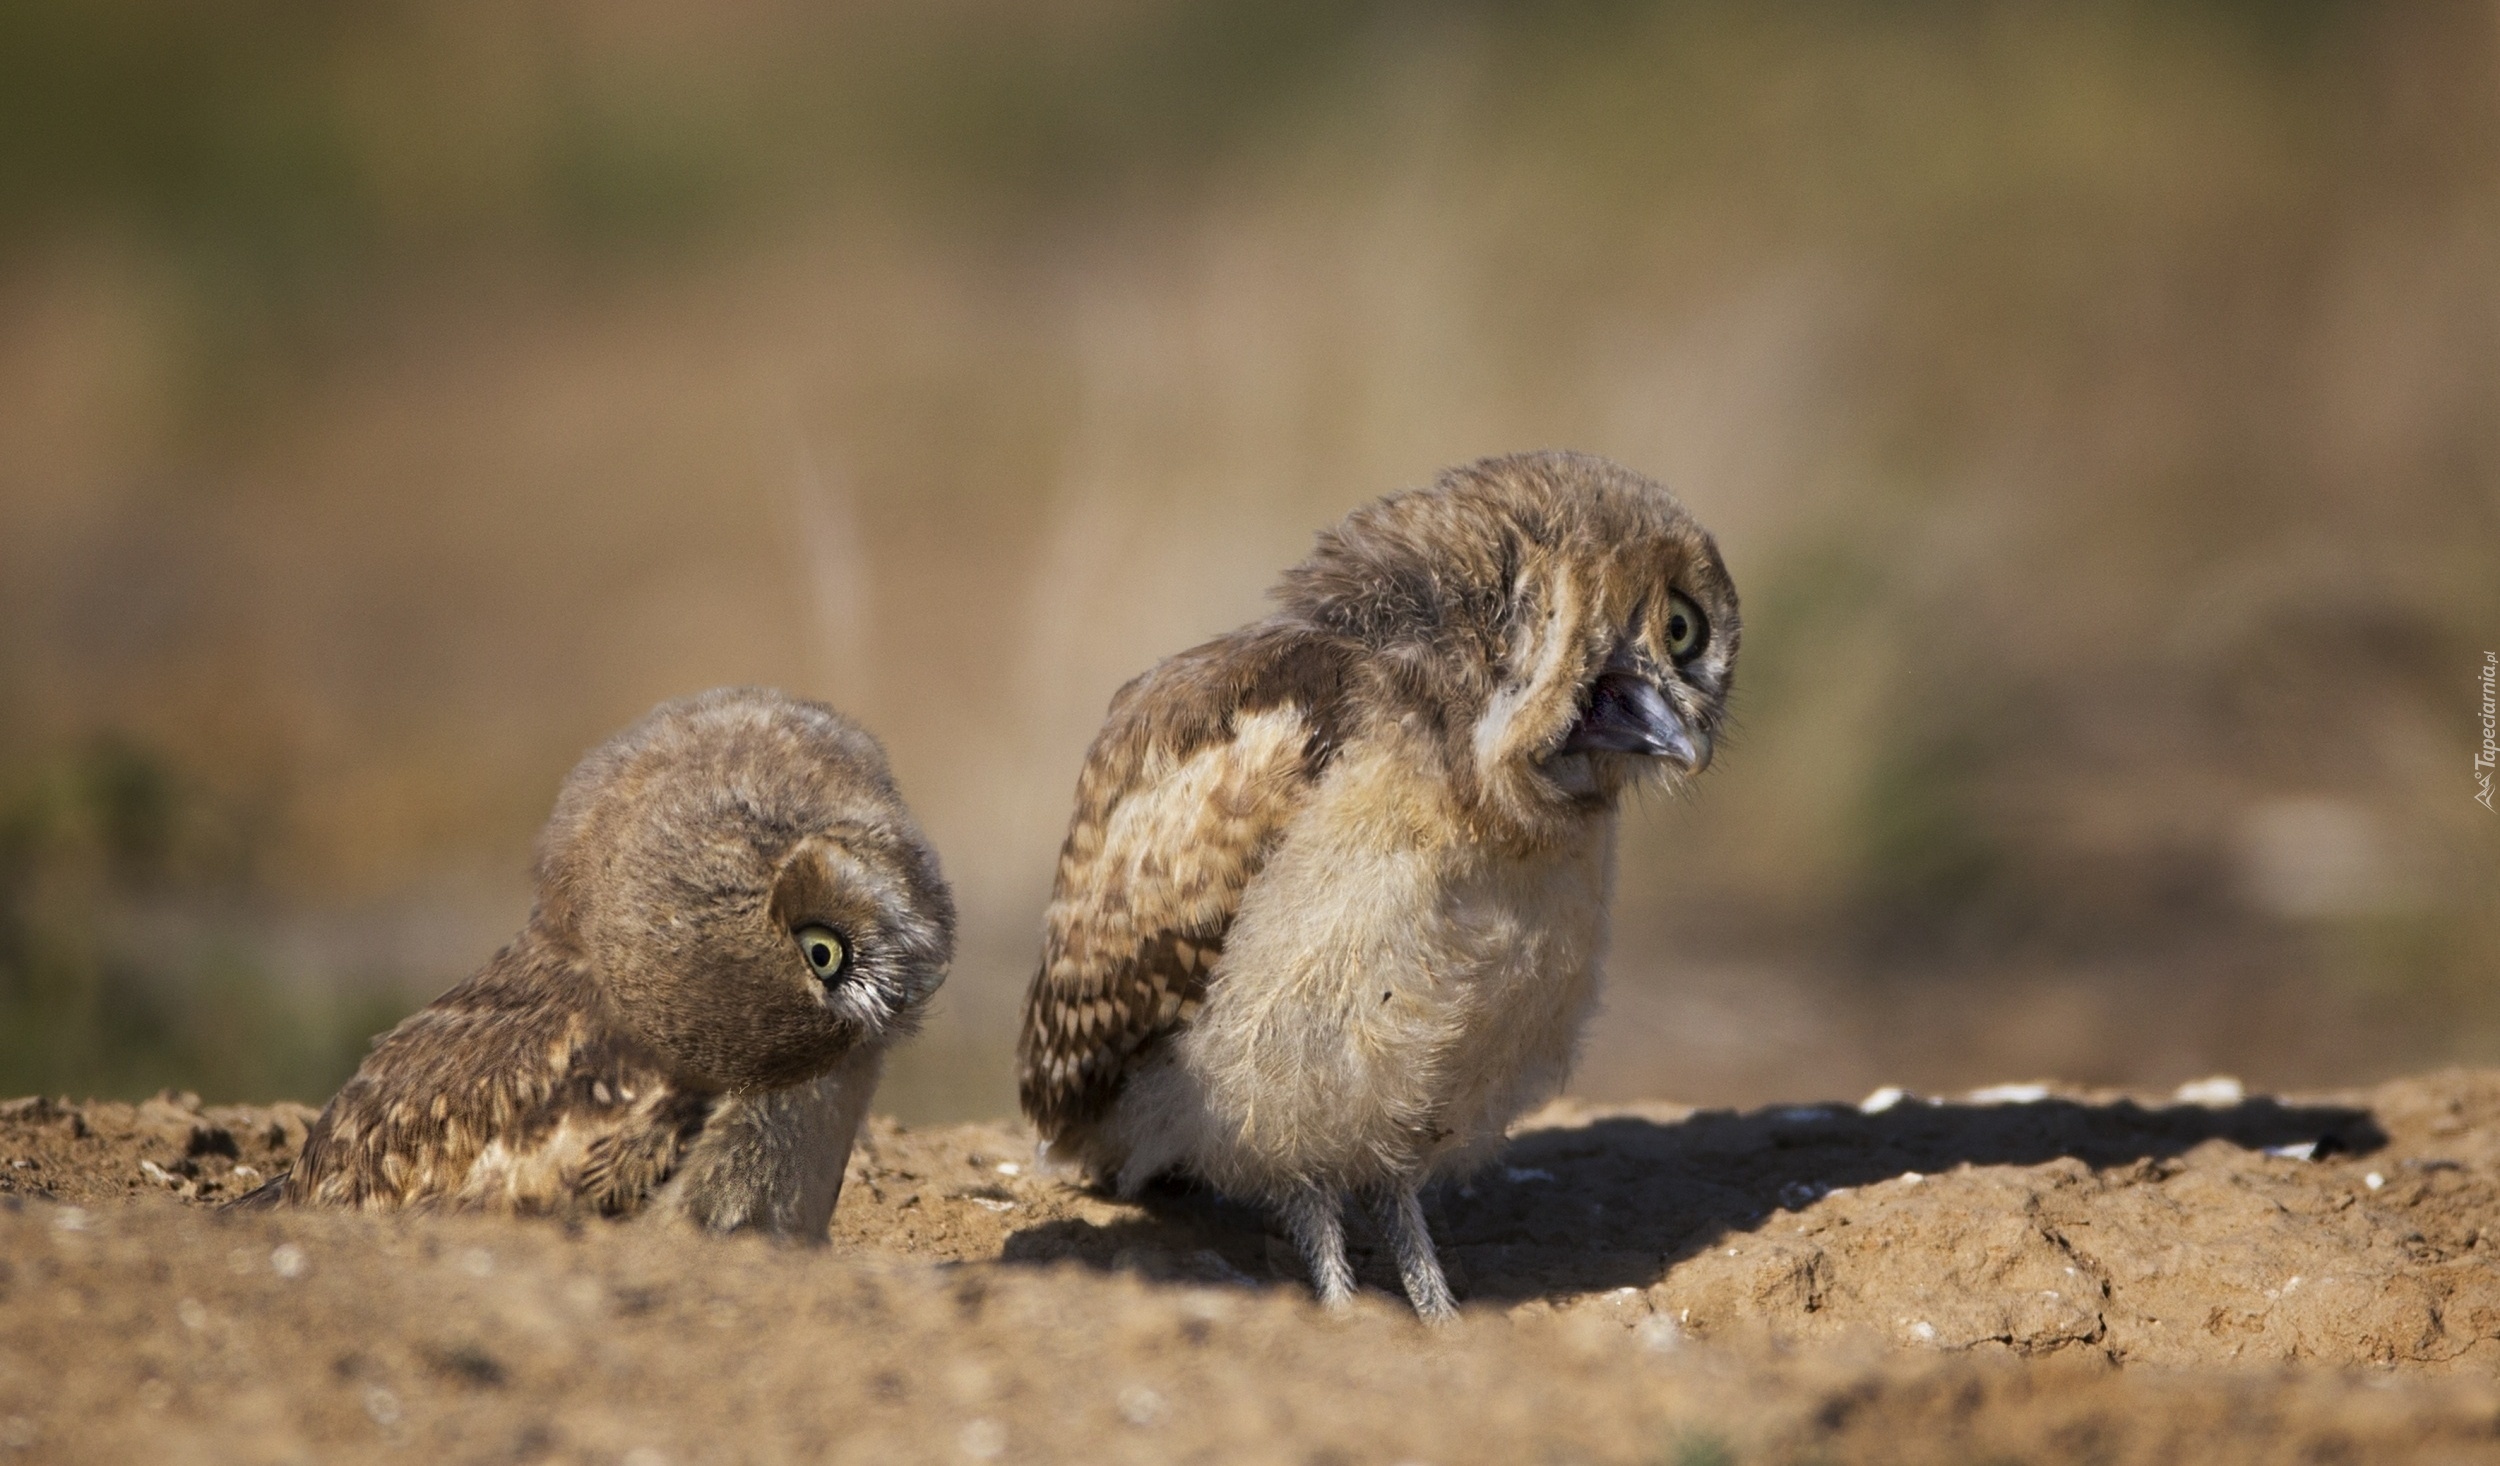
(1401, 1215)
(1317, 1220)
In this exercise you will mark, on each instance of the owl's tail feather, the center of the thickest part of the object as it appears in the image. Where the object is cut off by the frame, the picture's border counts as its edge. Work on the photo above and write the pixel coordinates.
(267, 1196)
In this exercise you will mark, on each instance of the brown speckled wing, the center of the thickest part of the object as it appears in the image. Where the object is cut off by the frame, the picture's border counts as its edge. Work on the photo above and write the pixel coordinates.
(1200, 766)
(505, 1094)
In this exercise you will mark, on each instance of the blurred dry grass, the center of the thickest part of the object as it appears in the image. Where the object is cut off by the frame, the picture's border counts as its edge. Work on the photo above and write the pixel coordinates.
(2100, 407)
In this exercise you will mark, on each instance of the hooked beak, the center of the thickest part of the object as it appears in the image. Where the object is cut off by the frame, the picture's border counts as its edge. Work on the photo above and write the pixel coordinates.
(1628, 715)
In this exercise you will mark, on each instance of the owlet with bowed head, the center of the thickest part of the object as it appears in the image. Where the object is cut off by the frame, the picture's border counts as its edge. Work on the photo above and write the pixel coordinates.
(736, 918)
(1329, 915)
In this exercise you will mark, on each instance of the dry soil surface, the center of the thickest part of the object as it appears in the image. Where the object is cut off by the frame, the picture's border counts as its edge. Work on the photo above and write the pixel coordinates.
(2012, 1276)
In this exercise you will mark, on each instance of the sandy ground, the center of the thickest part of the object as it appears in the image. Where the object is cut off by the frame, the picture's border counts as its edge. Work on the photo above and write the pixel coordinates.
(2019, 1277)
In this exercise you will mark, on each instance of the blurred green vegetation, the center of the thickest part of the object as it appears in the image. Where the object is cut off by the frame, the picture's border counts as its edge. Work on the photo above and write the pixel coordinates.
(294, 152)
(1696, 1448)
(289, 142)
(103, 989)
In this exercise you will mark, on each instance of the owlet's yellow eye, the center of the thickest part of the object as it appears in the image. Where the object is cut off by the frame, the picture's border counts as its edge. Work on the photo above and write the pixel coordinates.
(1688, 631)
(824, 950)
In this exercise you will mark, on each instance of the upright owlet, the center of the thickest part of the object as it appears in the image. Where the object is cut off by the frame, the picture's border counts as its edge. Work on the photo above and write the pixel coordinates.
(735, 918)
(1330, 912)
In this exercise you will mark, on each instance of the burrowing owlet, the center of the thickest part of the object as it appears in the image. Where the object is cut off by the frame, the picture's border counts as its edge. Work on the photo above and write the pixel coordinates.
(1330, 912)
(735, 918)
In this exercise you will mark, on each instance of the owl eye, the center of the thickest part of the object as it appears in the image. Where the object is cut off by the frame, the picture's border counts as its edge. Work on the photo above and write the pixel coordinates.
(824, 949)
(1688, 631)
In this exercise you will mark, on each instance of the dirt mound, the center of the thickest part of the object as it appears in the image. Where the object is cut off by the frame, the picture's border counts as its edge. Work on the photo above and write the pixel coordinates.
(2067, 1275)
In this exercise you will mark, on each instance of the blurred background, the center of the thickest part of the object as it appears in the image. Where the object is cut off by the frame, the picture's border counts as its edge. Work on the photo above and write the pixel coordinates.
(2099, 406)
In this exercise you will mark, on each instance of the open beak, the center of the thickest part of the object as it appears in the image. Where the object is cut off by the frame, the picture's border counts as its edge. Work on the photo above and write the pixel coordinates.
(1628, 715)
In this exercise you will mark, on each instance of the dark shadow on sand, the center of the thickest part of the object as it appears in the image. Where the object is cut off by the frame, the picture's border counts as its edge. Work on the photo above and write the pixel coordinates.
(1615, 1203)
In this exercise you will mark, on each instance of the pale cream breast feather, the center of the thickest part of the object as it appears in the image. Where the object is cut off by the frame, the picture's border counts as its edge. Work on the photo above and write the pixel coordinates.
(1384, 1000)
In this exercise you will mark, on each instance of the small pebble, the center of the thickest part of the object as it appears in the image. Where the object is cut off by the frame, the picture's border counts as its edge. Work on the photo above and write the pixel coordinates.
(1882, 1100)
(983, 1440)
(382, 1405)
(2374, 1180)
(1140, 1406)
(287, 1260)
(1008, 1168)
(2009, 1094)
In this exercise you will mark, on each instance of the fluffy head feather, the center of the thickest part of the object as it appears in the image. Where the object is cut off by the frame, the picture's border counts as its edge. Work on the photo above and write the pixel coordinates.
(684, 852)
(1496, 600)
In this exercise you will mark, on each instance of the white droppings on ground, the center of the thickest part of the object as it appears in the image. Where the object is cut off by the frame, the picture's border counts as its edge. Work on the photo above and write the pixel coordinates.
(2219, 1089)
